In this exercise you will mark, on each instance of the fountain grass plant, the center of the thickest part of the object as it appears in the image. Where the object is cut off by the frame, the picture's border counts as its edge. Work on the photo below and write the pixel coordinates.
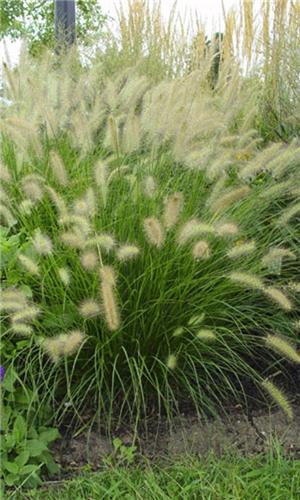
(139, 284)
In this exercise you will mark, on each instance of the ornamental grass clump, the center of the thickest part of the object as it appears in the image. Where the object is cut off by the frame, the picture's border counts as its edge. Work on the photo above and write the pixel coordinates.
(150, 300)
(144, 273)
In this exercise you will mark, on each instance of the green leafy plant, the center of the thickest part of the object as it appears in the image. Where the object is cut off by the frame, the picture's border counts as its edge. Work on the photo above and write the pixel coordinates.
(25, 451)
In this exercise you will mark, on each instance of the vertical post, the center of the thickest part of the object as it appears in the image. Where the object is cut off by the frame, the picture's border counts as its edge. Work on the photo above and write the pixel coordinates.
(65, 29)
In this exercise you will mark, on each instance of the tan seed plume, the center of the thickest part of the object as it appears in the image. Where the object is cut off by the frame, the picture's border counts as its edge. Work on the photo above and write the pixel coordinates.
(154, 232)
(173, 208)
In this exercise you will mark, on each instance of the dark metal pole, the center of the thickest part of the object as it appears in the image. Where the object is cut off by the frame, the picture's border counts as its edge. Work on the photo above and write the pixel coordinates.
(65, 27)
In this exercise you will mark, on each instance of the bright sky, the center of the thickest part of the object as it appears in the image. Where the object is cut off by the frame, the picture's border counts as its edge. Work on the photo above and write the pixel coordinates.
(210, 12)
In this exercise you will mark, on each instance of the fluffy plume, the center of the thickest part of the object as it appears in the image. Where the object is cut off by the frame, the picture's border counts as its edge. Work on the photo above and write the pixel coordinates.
(241, 250)
(276, 254)
(107, 274)
(27, 314)
(12, 300)
(63, 344)
(100, 173)
(13, 294)
(127, 252)
(282, 347)
(73, 240)
(7, 216)
(105, 241)
(32, 189)
(178, 331)
(57, 201)
(21, 329)
(278, 297)
(246, 279)
(89, 308)
(227, 229)
(89, 260)
(42, 243)
(26, 207)
(278, 397)
(64, 275)
(91, 201)
(154, 231)
(171, 362)
(205, 334)
(192, 229)
(29, 264)
(173, 208)
(150, 186)
(5, 175)
(110, 307)
(201, 250)
(80, 222)
(274, 191)
(58, 168)
(294, 286)
(288, 214)
(80, 207)
(229, 198)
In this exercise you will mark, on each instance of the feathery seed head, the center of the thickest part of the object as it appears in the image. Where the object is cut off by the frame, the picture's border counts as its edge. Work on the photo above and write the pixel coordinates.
(294, 286)
(80, 207)
(108, 275)
(201, 250)
(58, 168)
(171, 362)
(191, 229)
(13, 294)
(26, 207)
(89, 309)
(32, 189)
(279, 297)
(63, 344)
(173, 208)
(283, 347)
(205, 334)
(42, 243)
(72, 342)
(127, 252)
(150, 186)
(57, 200)
(278, 396)
(27, 314)
(7, 216)
(73, 240)
(288, 214)
(79, 222)
(5, 175)
(21, 329)
(105, 241)
(110, 306)
(100, 173)
(246, 279)
(229, 198)
(227, 229)
(241, 250)
(64, 275)
(29, 264)
(89, 260)
(154, 231)
(179, 331)
(276, 254)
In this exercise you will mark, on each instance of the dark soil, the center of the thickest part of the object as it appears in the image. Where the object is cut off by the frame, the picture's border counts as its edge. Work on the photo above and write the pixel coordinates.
(238, 432)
